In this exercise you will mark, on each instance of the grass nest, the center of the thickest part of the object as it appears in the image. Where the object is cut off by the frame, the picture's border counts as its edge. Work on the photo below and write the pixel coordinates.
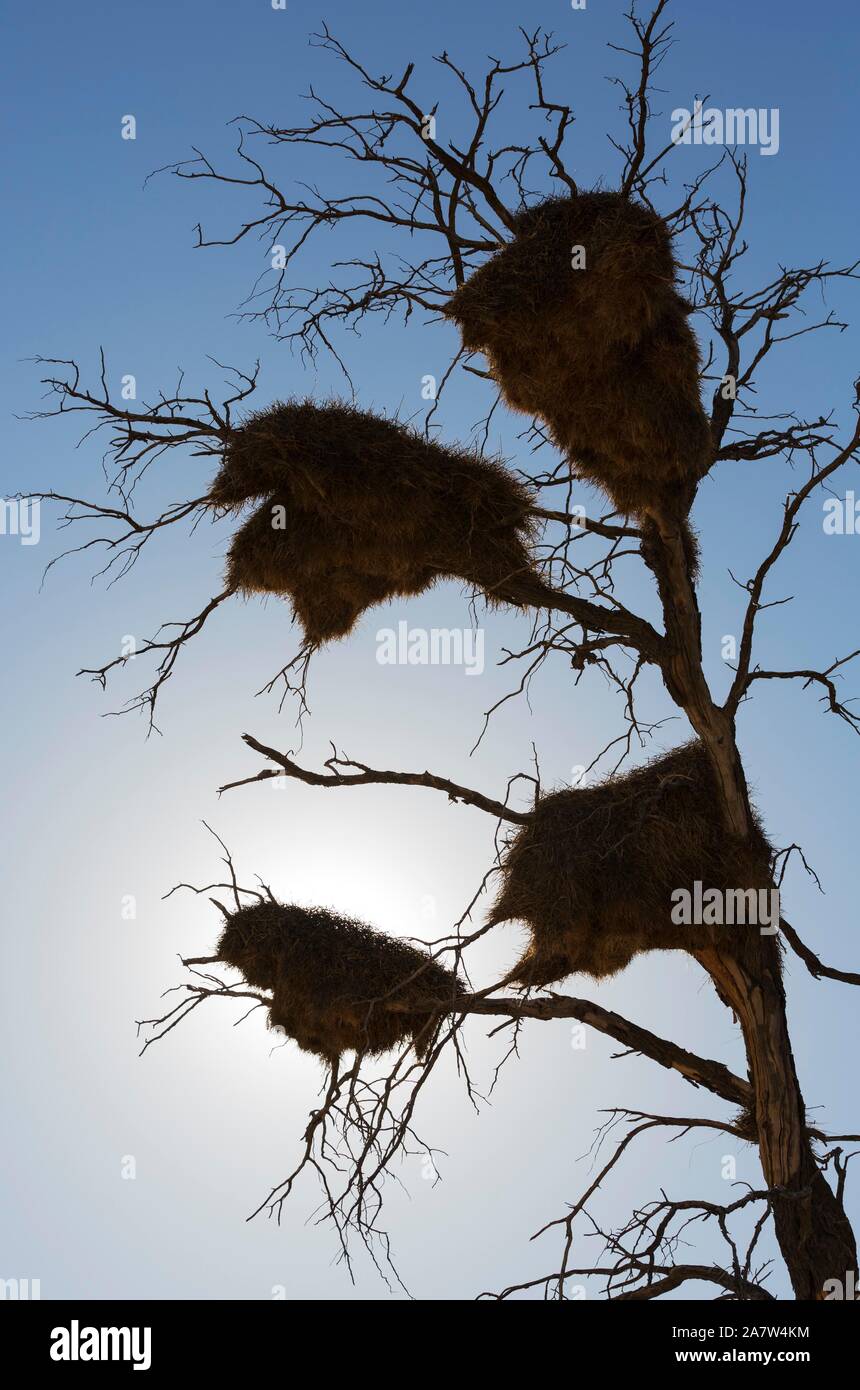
(337, 985)
(358, 509)
(592, 875)
(603, 354)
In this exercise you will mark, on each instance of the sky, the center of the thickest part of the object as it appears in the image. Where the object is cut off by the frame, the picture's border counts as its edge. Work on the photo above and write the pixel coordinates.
(101, 821)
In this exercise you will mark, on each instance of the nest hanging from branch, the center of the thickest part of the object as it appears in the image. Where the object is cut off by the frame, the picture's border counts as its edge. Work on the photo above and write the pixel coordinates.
(593, 874)
(337, 984)
(283, 550)
(601, 351)
(359, 509)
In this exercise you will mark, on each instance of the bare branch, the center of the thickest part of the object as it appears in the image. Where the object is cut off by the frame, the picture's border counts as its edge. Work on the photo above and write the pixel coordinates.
(366, 776)
(793, 504)
(815, 966)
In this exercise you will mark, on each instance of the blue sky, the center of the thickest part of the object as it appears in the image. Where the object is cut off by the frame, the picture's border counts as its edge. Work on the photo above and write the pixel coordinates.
(96, 813)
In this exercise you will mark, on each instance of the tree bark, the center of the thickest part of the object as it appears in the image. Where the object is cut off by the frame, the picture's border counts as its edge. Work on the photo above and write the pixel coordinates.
(814, 1234)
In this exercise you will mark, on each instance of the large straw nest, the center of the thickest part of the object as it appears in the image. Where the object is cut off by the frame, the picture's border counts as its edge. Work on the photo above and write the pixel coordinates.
(337, 984)
(359, 509)
(351, 465)
(311, 561)
(592, 875)
(603, 355)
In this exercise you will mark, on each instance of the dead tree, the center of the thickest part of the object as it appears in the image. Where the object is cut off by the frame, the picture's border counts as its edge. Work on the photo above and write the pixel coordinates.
(458, 205)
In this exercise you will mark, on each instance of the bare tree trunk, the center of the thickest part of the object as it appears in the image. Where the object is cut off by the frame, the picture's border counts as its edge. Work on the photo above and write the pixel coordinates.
(814, 1234)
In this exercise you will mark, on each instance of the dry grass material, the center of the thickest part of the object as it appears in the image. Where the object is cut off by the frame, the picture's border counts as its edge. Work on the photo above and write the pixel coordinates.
(604, 355)
(360, 469)
(592, 875)
(337, 984)
(310, 561)
(361, 509)
(747, 1125)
